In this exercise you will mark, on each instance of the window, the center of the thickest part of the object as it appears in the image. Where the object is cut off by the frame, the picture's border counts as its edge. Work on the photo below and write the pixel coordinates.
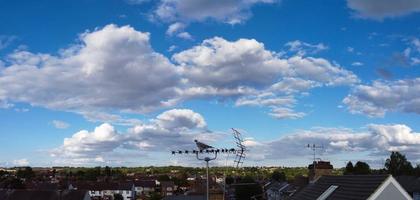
(327, 192)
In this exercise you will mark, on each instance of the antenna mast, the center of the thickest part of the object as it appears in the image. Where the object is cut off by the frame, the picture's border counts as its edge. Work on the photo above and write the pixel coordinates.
(314, 147)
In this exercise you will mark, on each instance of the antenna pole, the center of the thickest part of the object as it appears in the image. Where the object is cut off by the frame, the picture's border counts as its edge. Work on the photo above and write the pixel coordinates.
(207, 159)
(207, 165)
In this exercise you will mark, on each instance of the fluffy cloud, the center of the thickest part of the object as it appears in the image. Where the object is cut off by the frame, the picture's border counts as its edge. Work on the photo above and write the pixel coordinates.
(254, 75)
(60, 124)
(380, 9)
(376, 99)
(177, 29)
(171, 130)
(112, 68)
(245, 62)
(102, 140)
(180, 118)
(226, 11)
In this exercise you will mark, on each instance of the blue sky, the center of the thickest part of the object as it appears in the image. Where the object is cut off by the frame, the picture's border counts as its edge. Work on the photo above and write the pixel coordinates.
(123, 82)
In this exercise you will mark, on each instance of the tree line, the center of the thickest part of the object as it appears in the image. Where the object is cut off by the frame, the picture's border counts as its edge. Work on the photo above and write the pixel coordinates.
(396, 165)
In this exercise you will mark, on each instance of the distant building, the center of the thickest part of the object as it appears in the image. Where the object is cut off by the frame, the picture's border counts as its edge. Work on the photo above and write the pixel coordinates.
(353, 187)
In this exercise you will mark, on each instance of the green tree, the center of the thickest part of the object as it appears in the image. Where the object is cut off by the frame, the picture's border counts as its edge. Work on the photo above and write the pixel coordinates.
(278, 176)
(25, 173)
(164, 178)
(397, 165)
(247, 189)
(229, 180)
(361, 168)
(349, 168)
(416, 171)
(107, 171)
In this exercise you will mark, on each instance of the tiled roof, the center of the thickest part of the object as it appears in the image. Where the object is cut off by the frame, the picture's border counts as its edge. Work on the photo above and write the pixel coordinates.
(352, 187)
(100, 186)
(145, 183)
(41, 195)
(409, 183)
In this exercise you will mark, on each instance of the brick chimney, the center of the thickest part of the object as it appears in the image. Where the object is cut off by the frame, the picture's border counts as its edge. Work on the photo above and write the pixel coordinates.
(318, 169)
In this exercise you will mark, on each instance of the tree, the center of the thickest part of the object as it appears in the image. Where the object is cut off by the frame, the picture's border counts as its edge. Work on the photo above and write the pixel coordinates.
(163, 178)
(349, 168)
(278, 176)
(229, 180)
(107, 171)
(249, 188)
(118, 197)
(397, 164)
(361, 168)
(25, 173)
(416, 170)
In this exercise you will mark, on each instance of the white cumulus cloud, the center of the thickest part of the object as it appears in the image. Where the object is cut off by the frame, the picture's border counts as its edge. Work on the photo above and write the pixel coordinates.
(383, 96)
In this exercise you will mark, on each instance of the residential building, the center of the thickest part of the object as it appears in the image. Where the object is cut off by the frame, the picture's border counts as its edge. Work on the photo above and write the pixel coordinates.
(353, 187)
(145, 187)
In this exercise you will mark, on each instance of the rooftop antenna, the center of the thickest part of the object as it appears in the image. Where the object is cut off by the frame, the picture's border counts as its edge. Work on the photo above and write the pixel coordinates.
(207, 150)
(314, 147)
(240, 153)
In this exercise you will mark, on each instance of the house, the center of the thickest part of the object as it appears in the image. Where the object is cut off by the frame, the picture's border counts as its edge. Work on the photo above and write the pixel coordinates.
(144, 187)
(354, 187)
(106, 190)
(411, 184)
(274, 189)
(167, 188)
(44, 195)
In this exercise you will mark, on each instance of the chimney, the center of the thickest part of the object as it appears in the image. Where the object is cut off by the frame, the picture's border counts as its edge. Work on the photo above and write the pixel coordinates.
(318, 169)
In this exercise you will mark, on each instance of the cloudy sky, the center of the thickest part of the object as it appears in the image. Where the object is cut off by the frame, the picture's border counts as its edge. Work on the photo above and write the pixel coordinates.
(123, 82)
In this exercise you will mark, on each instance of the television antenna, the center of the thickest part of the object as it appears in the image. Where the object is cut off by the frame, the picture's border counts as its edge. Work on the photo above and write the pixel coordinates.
(314, 148)
(207, 150)
(240, 154)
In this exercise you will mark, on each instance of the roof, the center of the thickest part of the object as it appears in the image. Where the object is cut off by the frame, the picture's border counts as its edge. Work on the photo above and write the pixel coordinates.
(145, 183)
(352, 187)
(100, 186)
(167, 183)
(42, 195)
(409, 183)
(185, 197)
(73, 194)
(275, 185)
